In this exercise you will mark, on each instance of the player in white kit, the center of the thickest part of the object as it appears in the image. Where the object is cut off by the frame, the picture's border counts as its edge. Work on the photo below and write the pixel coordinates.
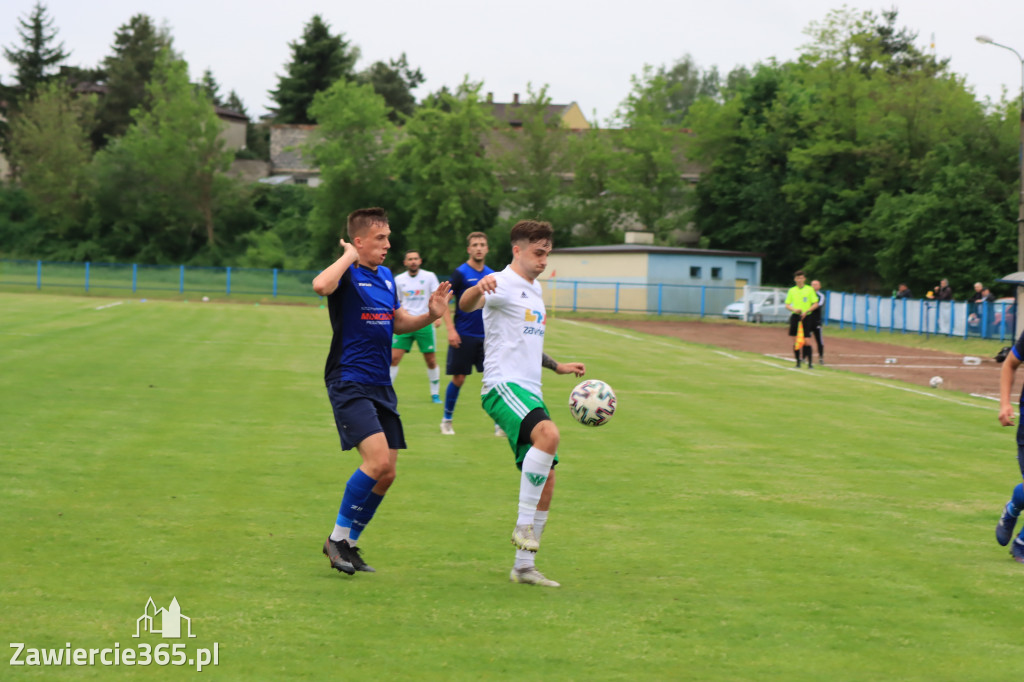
(514, 324)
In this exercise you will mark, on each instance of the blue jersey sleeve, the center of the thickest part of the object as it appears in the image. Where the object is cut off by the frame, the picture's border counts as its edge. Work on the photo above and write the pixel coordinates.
(1018, 348)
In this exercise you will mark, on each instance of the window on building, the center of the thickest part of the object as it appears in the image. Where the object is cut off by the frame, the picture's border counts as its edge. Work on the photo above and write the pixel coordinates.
(694, 272)
(716, 273)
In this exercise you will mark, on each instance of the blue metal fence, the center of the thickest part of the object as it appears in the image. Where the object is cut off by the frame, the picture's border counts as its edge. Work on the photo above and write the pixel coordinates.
(853, 311)
(138, 278)
(921, 316)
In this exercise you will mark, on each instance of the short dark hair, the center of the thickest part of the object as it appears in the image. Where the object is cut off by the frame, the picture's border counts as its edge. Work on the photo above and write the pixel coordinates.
(362, 219)
(799, 273)
(475, 235)
(531, 231)
(416, 251)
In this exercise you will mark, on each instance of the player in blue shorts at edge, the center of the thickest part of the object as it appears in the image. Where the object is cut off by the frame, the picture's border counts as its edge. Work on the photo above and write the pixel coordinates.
(466, 335)
(514, 322)
(1004, 529)
(364, 309)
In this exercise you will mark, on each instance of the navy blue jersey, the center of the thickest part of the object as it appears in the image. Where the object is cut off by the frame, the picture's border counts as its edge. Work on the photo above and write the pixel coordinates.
(1018, 351)
(362, 311)
(464, 277)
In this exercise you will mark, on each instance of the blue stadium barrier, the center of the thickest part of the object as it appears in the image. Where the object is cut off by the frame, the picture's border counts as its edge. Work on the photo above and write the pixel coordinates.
(853, 311)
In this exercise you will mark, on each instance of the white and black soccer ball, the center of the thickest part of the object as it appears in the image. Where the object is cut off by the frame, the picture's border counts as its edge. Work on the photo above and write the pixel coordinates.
(592, 402)
(935, 382)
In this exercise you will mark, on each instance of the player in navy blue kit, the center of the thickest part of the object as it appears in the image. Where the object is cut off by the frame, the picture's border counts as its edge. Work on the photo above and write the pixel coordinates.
(466, 336)
(1004, 529)
(364, 309)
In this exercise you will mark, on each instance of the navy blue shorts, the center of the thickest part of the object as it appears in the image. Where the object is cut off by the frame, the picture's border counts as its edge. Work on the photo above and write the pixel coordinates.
(361, 410)
(468, 355)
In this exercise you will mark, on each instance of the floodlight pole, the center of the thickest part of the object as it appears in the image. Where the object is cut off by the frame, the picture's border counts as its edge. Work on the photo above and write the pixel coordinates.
(985, 40)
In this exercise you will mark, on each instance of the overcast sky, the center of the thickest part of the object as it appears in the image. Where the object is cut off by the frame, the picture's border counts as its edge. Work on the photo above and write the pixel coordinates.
(584, 51)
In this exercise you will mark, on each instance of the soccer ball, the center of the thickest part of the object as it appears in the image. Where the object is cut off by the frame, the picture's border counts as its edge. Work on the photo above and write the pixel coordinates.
(592, 402)
(935, 382)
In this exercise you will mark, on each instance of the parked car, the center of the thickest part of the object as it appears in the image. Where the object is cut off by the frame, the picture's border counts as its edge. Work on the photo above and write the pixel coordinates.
(758, 306)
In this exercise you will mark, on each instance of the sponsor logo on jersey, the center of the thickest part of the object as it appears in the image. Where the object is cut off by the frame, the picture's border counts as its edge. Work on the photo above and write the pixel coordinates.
(535, 316)
(377, 317)
(364, 284)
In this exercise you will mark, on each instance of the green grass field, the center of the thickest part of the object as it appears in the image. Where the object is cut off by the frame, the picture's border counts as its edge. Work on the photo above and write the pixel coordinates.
(735, 521)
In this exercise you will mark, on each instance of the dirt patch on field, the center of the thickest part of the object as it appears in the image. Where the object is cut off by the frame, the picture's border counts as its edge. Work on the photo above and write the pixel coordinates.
(884, 360)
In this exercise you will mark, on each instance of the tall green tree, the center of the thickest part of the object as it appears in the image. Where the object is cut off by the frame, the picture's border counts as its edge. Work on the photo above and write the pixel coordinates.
(744, 144)
(533, 162)
(50, 147)
(161, 182)
(394, 81)
(593, 214)
(211, 88)
(684, 82)
(829, 163)
(648, 180)
(350, 147)
(954, 225)
(38, 58)
(137, 46)
(319, 59)
(450, 185)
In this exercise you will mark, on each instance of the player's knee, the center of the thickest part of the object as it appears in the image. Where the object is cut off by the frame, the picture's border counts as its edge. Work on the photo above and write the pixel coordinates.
(458, 379)
(385, 480)
(545, 436)
(381, 470)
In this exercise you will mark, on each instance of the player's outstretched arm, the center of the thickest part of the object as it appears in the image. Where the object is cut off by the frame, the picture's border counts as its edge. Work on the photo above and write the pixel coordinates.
(436, 305)
(473, 297)
(577, 368)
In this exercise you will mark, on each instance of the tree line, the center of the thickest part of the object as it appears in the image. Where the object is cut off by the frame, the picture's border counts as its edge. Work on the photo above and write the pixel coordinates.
(865, 161)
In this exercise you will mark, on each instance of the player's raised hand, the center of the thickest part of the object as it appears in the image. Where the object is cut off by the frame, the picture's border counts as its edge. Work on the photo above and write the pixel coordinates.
(346, 247)
(438, 302)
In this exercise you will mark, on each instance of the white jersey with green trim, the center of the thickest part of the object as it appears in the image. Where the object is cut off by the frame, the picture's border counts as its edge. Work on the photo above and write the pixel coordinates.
(514, 323)
(414, 292)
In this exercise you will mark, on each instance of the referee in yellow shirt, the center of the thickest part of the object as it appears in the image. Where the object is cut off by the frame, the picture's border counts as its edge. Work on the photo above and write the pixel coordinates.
(801, 300)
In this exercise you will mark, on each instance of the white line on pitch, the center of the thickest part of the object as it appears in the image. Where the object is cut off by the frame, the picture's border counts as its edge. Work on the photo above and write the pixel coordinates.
(924, 393)
(625, 336)
(109, 305)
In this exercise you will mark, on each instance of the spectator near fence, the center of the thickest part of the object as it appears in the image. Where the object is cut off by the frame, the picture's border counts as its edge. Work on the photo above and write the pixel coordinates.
(903, 291)
(976, 297)
(943, 292)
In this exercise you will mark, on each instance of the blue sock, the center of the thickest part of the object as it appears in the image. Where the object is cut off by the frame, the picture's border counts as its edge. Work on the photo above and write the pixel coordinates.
(357, 489)
(1016, 503)
(364, 515)
(451, 396)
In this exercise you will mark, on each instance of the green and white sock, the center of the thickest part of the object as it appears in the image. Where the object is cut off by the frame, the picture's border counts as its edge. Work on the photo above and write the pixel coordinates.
(536, 469)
